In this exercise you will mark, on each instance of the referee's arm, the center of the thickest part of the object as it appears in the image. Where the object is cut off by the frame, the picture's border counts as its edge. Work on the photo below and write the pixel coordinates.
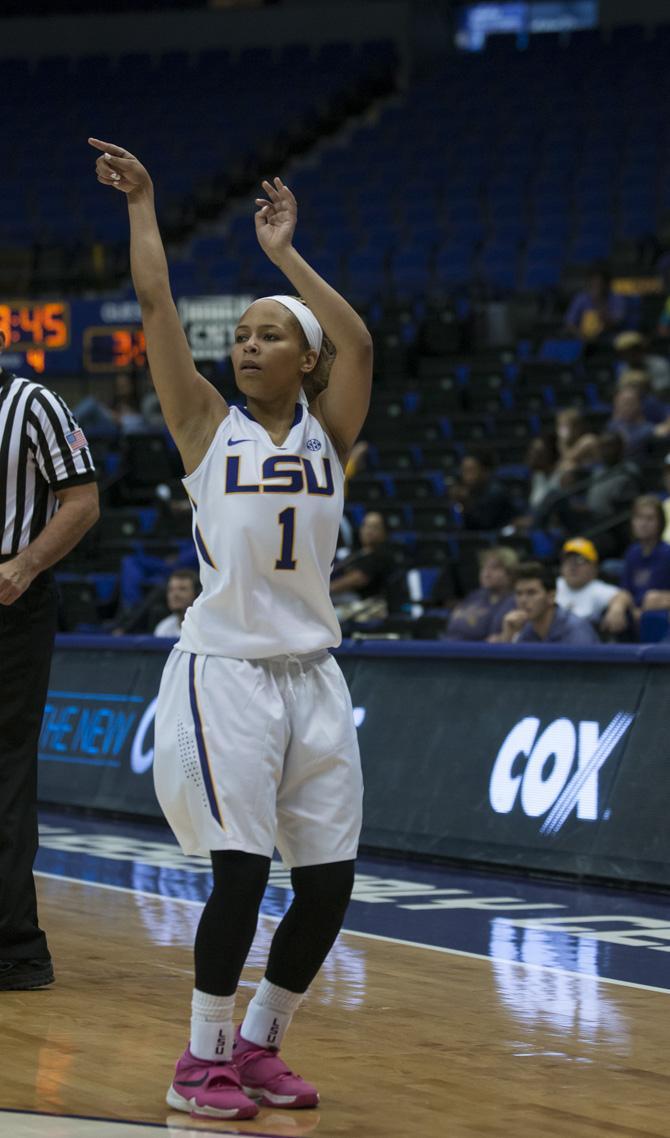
(78, 510)
(54, 452)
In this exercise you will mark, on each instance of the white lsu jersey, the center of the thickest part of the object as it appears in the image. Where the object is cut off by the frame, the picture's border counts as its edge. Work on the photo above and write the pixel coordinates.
(265, 522)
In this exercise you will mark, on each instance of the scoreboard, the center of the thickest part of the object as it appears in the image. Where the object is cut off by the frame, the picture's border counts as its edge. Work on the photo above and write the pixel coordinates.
(25, 325)
(113, 348)
(58, 336)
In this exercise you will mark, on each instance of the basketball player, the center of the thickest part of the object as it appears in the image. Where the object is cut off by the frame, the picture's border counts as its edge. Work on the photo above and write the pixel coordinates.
(255, 742)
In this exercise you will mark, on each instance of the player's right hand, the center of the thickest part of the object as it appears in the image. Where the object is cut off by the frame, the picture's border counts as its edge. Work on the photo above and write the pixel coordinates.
(119, 168)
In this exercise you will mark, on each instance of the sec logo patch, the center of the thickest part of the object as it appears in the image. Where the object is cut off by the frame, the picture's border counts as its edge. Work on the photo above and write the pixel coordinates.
(313, 444)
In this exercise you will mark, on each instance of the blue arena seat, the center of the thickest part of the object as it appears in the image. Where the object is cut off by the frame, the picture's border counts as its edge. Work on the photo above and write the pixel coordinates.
(540, 274)
(421, 581)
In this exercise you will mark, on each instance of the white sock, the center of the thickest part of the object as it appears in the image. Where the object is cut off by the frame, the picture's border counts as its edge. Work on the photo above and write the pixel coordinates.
(269, 1014)
(212, 1026)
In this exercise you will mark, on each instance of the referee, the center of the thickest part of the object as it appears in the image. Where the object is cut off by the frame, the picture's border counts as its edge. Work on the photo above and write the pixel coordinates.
(48, 500)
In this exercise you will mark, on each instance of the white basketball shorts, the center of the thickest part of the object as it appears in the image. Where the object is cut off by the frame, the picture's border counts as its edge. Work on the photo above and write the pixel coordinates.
(256, 754)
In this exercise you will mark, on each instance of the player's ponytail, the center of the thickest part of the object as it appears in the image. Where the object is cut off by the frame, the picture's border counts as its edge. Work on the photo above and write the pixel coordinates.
(316, 380)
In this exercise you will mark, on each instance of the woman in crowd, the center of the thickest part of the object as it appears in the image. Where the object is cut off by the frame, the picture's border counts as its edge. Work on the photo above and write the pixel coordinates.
(479, 616)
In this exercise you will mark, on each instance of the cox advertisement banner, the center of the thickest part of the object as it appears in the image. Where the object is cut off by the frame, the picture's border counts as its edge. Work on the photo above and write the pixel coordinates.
(493, 761)
(541, 764)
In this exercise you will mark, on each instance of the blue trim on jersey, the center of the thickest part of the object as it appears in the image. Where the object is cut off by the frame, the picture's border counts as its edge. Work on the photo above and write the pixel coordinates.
(297, 418)
(200, 741)
(202, 548)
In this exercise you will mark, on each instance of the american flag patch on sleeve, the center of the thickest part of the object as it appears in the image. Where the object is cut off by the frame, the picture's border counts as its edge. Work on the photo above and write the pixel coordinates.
(76, 440)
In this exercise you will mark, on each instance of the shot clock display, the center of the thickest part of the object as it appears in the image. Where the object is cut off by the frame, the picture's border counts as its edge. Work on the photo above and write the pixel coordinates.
(113, 348)
(29, 326)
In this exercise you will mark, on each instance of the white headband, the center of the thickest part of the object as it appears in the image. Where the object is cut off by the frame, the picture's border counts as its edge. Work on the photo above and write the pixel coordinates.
(305, 317)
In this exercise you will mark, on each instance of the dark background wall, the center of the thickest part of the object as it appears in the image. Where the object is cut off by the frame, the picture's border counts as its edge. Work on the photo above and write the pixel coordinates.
(197, 30)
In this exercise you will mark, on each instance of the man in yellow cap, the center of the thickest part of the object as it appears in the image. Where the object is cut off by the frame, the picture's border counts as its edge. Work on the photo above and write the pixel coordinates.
(580, 591)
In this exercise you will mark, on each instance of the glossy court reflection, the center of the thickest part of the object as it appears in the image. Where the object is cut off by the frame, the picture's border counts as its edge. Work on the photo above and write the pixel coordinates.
(501, 1024)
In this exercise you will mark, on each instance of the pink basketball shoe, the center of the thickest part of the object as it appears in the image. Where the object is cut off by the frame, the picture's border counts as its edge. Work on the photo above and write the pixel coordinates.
(266, 1078)
(209, 1089)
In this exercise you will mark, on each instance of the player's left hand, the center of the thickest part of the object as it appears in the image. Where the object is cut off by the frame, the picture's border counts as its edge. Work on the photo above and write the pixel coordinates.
(15, 577)
(276, 219)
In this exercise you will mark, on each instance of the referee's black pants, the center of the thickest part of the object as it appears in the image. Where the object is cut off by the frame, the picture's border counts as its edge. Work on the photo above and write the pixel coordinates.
(27, 630)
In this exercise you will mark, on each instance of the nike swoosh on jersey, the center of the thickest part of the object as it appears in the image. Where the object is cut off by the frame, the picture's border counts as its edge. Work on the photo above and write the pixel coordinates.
(234, 442)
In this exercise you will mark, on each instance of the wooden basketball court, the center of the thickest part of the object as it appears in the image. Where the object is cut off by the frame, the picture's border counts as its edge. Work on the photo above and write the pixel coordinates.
(399, 1039)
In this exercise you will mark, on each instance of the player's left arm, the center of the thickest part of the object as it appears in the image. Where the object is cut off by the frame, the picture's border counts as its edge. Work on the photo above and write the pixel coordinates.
(342, 407)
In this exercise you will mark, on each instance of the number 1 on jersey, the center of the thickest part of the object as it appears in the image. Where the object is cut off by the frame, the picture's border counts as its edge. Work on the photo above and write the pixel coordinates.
(287, 522)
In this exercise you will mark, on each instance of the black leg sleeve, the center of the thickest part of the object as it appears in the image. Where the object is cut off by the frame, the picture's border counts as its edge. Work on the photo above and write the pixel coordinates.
(309, 928)
(229, 920)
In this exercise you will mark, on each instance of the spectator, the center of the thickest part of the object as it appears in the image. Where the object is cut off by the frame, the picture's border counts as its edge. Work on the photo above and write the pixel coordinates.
(480, 615)
(663, 326)
(579, 590)
(576, 442)
(139, 570)
(126, 408)
(632, 356)
(537, 619)
(653, 408)
(596, 310)
(479, 499)
(609, 489)
(182, 588)
(122, 414)
(613, 481)
(577, 447)
(666, 499)
(149, 402)
(629, 421)
(364, 574)
(355, 463)
(646, 570)
(96, 417)
(542, 459)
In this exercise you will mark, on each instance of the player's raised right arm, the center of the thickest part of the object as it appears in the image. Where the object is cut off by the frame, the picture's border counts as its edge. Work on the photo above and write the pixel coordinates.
(192, 408)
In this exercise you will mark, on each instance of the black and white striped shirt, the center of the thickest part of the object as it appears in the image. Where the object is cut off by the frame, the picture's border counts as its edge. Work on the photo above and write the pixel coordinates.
(42, 450)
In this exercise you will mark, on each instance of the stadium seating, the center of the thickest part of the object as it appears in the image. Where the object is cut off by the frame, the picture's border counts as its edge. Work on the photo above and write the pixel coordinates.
(496, 177)
(188, 118)
(478, 172)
